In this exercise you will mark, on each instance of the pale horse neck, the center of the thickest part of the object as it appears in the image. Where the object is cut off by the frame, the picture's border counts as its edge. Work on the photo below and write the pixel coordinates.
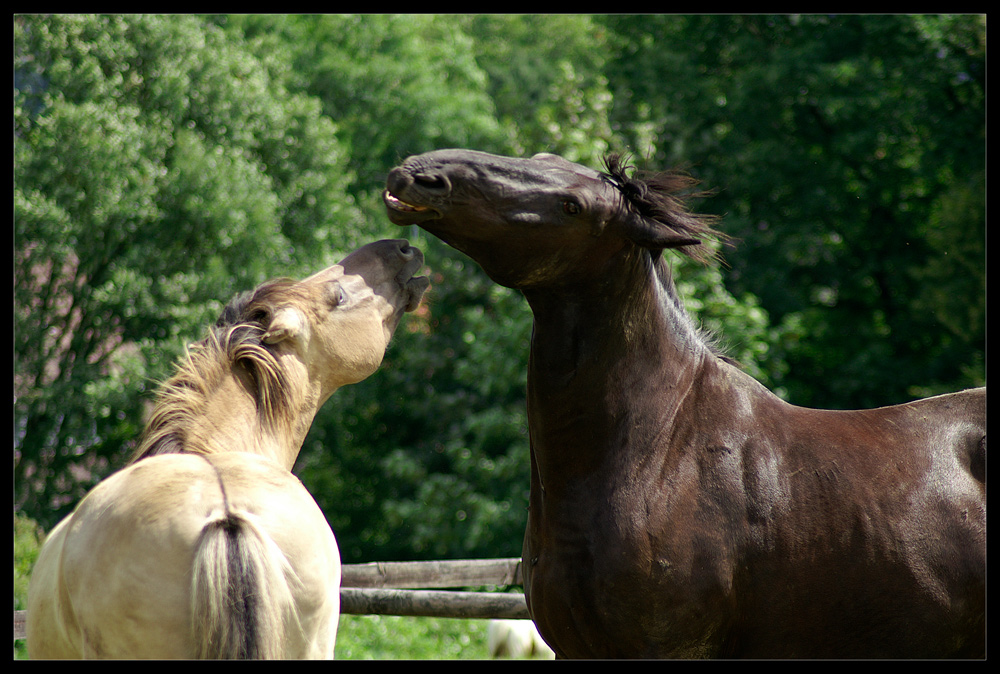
(232, 422)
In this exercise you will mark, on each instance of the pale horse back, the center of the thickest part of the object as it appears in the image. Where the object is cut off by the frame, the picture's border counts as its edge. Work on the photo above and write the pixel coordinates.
(136, 559)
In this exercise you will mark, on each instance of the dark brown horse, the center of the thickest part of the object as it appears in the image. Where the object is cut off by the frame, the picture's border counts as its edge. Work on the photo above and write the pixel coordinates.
(678, 508)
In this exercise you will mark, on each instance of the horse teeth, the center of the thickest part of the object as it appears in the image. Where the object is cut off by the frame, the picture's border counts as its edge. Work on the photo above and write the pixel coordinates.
(402, 205)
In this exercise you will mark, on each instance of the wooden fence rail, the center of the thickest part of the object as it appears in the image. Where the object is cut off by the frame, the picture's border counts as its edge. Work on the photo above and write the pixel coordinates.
(423, 575)
(379, 588)
(413, 589)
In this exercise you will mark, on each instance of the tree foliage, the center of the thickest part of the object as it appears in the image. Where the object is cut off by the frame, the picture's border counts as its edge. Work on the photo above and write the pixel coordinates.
(840, 143)
(163, 163)
(158, 169)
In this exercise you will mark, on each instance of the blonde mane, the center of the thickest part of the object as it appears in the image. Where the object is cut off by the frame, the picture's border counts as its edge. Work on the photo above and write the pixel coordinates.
(235, 341)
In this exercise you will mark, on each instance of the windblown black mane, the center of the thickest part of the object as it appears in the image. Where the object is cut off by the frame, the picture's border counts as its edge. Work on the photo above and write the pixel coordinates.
(664, 197)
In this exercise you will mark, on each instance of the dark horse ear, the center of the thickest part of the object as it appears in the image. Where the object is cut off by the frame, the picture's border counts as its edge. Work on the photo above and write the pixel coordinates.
(653, 234)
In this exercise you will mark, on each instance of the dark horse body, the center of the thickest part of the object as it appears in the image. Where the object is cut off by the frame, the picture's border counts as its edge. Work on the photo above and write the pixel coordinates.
(678, 508)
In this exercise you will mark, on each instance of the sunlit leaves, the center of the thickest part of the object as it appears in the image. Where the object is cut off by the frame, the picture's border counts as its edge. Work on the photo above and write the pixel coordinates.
(159, 167)
(164, 162)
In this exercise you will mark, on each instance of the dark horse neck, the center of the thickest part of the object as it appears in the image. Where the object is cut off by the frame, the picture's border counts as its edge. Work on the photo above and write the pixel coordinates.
(595, 345)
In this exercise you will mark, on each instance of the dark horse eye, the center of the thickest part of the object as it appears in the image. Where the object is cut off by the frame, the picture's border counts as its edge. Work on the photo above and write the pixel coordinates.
(571, 207)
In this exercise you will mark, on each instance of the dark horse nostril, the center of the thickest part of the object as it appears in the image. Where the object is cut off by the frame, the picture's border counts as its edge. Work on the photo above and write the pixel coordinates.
(433, 182)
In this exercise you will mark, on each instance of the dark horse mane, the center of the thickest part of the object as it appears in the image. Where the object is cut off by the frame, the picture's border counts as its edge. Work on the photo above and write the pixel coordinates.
(663, 196)
(236, 338)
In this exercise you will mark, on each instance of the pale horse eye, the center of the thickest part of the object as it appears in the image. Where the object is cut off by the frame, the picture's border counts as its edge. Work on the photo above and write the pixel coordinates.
(335, 295)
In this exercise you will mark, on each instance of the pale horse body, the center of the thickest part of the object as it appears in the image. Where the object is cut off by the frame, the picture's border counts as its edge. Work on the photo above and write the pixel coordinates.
(206, 545)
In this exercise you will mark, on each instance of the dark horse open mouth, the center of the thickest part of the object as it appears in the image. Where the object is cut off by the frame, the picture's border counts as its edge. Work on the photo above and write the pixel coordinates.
(402, 212)
(410, 193)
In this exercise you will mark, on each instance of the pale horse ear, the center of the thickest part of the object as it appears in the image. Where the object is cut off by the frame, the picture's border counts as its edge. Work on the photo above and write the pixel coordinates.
(287, 323)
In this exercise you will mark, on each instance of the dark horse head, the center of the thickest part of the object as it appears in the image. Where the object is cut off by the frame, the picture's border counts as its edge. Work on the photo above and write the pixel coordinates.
(557, 220)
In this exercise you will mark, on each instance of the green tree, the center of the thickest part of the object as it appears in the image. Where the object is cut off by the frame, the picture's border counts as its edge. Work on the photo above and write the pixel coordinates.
(225, 149)
(429, 458)
(849, 153)
(545, 76)
(159, 168)
(399, 85)
(396, 84)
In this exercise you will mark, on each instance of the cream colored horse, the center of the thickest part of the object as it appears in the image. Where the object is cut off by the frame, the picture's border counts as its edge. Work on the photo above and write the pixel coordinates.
(206, 546)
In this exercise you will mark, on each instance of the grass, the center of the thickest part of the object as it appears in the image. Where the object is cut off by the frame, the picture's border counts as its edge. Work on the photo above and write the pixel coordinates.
(375, 637)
